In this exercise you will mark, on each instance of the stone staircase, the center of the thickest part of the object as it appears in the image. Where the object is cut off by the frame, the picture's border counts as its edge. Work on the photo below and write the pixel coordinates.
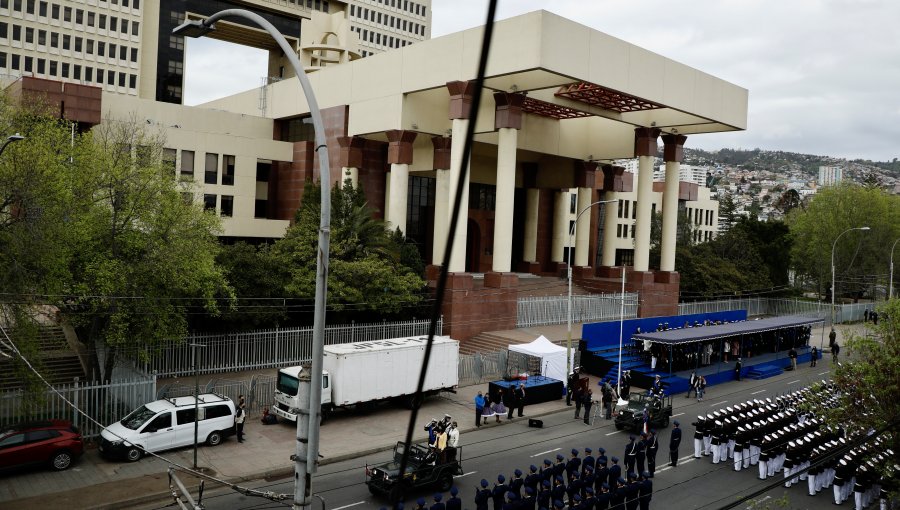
(59, 363)
(546, 286)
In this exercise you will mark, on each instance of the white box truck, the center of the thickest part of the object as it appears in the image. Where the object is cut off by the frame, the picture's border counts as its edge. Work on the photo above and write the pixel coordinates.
(361, 373)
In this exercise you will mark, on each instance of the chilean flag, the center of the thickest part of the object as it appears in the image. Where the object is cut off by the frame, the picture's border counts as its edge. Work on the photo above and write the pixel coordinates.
(646, 427)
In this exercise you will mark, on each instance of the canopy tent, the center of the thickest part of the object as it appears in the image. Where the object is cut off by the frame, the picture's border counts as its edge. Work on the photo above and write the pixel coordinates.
(553, 357)
(730, 329)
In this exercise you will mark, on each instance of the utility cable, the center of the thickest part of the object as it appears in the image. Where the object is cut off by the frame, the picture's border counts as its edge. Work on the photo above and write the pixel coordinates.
(448, 249)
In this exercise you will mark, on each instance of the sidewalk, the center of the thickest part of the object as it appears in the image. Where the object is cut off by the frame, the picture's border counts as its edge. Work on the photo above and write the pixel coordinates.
(98, 483)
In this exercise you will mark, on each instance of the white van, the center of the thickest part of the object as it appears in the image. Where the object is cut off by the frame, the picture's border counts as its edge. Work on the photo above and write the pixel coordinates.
(168, 423)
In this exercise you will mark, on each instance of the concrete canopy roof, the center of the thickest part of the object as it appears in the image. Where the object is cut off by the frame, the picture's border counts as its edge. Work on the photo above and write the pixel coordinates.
(537, 53)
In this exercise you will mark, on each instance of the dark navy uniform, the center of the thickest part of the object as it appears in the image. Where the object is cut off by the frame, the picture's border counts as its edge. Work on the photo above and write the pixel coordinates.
(499, 492)
(615, 473)
(630, 455)
(515, 485)
(652, 449)
(674, 443)
(588, 460)
(482, 496)
(640, 454)
(454, 503)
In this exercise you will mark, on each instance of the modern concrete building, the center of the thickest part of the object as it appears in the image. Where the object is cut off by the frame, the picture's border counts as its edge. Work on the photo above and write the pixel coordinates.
(386, 24)
(830, 175)
(559, 97)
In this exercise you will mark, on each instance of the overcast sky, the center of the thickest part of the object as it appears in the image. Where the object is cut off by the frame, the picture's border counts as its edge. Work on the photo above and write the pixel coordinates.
(823, 75)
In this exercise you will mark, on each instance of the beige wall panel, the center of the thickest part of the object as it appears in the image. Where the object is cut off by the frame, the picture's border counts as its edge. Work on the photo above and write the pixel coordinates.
(608, 61)
(373, 77)
(427, 110)
(575, 138)
(375, 115)
(680, 89)
(646, 74)
(565, 45)
(540, 134)
(253, 227)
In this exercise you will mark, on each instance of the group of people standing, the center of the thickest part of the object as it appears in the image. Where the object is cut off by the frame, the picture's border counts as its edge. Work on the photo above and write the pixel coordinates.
(504, 401)
(443, 439)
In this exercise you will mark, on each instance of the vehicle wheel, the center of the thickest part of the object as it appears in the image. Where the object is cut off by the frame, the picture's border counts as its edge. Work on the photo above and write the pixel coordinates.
(372, 489)
(214, 438)
(61, 460)
(619, 426)
(445, 482)
(396, 494)
(133, 454)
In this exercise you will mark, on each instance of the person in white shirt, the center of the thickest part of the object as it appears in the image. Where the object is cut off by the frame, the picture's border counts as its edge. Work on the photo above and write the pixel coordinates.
(452, 442)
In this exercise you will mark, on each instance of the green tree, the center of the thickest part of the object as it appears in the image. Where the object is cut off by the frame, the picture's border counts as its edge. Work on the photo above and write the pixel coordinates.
(369, 269)
(858, 254)
(147, 252)
(258, 280)
(727, 211)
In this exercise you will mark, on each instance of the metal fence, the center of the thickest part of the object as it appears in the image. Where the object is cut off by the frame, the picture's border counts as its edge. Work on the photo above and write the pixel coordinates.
(231, 352)
(259, 391)
(482, 367)
(756, 306)
(106, 403)
(544, 310)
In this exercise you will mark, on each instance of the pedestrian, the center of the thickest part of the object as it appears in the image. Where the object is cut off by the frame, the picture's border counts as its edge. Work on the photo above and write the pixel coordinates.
(452, 441)
(737, 369)
(588, 402)
(497, 408)
(674, 443)
(865, 316)
(520, 399)
(606, 396)
(874, 316)
(832, 337)
(701, 388)
(479, 408)
(835, 350)
(578, 398)
(813, 356)
(239, 415)
(509, 400)
(792, 354)
(692, 385)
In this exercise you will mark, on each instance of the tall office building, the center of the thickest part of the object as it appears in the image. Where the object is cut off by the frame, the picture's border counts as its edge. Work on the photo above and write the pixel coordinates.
(385, 24)
(830, 175)
(127, 46)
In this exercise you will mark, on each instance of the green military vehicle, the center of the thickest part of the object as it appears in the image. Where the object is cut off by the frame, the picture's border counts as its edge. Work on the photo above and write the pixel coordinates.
(424, 468)
(658, 409)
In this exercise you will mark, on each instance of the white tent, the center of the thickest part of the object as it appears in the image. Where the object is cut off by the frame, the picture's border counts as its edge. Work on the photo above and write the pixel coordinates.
(553, 357)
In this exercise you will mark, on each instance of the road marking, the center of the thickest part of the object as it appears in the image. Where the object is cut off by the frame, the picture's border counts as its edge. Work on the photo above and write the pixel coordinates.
(663, 469)
(679, 414)
(719, 403)
(823, 373)
(794, 381)
(351, 504)
(611, 433)
(757, 392)
(457, 476)
(545, 453)
(686, 457)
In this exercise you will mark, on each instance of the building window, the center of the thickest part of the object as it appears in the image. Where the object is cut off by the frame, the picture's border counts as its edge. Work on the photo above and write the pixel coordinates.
(4, 30)
(627, 204)
(123, 52)
(100, 76)
(2, 60)
(102, 23)
(17, 33)
(176, 42)
(132, 81)
(42, 37)
(42, 9)
(92, 18)
(65, 70)
(113, 23)
(78, 41)
(122, 78)
(54, 40)
(227, 208)
(88, 74)
(76, 72)
(209, 202)
(41, 65)
(618, 230)
(101, 48)
(53, 68)
(79, 17)
(67, 42)
(228, 170)
(29, 35)
(211, 175)
(187, 165)
(573, 203)
(54, 11)
(135, 28)
(134, 54)
(168, 161)
(67, 14)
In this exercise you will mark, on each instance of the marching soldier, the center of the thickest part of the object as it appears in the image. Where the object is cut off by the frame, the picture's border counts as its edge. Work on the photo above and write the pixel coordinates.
(438, 505)
(603, 497)
(454, 503)
(482, 496)
(515, 485)
(544, 494)
(646, 491)
(715, 441)
(532, 479)
(499, 492)
(573, 465)
(615, 473)
(529, 501)
(587, 461)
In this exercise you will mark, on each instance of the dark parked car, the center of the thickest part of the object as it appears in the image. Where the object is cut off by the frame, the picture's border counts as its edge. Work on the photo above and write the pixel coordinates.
(56, 443)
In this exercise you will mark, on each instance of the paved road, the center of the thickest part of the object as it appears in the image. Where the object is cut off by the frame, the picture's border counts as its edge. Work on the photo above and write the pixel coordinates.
(694, 484)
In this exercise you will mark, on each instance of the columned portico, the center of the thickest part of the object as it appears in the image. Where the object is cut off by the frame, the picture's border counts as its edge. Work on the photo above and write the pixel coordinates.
(585, 183)
(612, 180)
(645, 150)
(399, 156)
(460, 110)
(508, 121)
(441, 197)
(673, 153)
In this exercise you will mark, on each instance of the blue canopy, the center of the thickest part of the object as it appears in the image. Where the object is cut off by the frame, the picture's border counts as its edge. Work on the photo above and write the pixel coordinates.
(703, 333)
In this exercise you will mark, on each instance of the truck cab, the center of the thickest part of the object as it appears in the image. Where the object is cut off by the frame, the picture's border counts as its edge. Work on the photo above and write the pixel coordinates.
(287, 401)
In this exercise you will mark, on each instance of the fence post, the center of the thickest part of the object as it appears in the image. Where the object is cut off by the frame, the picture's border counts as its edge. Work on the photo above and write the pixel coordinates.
(75, 420)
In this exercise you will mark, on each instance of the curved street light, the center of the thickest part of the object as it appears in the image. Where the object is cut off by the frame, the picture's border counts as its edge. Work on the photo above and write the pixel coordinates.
(10, 139)
(569, 302)
(832, 267)
(307, 447)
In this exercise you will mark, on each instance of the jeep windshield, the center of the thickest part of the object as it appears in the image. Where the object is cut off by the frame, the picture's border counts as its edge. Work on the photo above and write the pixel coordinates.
(137, 418)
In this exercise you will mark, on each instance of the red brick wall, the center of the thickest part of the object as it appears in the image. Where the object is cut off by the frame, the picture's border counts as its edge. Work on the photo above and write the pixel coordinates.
(472, 306)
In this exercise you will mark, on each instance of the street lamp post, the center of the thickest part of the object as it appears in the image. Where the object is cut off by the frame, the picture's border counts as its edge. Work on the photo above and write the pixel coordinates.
(833, 245)
(891, 284)
(307, 446)
(10, 139)
(569, 321)
(196, 395)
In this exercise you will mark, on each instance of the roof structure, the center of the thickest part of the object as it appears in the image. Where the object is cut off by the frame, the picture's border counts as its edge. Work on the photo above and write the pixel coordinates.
(700, 334)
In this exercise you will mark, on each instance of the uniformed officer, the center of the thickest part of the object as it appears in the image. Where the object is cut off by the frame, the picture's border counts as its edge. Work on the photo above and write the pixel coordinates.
(547, 471)
(630, 454)
(652, 449)
(532, 479)
(573, 465)
(698, 436)
(512, 501)
(640, 453)
(574, 486)
(646, 490)
(515, 485)
(603, 497)
(558, 492)
(482, 496)
(716, 441)
(499, 492)
(544, 494)
(601, 473)
(437, 502)
(454, 503)
(588, 460)
(590, 500)
(529, 501)
(617, 500)
(674, 443)
(614, 474)
(560, 467)
(587, 480)
(420, 504)
(632, 491)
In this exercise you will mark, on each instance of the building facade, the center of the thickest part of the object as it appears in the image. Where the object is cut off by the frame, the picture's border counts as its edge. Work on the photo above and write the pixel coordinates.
(382, 25)
(830, 175)
(558, 97)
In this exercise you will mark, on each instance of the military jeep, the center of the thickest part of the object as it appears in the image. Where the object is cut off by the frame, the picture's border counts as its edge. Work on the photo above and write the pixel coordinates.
(659, 410)
(424, 468)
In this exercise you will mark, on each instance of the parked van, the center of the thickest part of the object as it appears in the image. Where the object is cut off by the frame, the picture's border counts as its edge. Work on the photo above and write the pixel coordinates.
(168, 423)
